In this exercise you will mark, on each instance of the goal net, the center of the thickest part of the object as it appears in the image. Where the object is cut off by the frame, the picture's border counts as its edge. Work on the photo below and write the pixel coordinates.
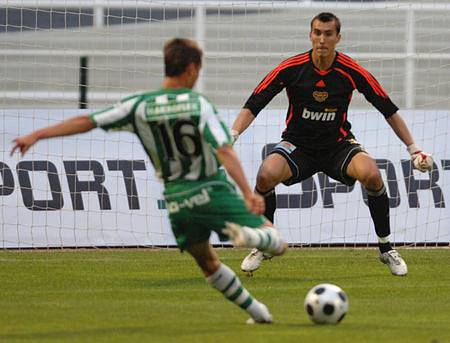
(98, 189)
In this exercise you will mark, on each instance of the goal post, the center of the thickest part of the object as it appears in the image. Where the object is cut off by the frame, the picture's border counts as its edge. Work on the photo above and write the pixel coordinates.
(98, 189)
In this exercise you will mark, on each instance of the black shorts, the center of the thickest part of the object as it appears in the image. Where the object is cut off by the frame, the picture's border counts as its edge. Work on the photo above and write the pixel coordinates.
(333, 162)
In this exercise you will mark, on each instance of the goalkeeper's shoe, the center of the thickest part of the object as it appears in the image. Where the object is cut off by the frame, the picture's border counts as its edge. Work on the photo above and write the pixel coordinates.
(395, 262)
(253, 260)
(259, 313)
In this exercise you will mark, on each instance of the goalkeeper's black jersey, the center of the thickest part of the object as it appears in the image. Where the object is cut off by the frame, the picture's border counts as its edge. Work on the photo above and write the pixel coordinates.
(318, 100)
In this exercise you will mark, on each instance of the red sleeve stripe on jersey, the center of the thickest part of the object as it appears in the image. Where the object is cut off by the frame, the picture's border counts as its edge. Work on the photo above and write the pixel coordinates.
(296, 60)
(347, 61)
(347, 75)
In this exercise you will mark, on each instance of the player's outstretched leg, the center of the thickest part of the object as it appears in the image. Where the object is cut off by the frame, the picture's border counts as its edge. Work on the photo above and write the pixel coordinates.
(222, 278)
(266, 242)
(226, 282)
(265, 238)
(379, 211)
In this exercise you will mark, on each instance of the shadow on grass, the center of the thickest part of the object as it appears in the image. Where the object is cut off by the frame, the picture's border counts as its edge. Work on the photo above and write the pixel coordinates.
(170, 282)
(264, 278)
(72, 334)
(144, 332)
(283, 280)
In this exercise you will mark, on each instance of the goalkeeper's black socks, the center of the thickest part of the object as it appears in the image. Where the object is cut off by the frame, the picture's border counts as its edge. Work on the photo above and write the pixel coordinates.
(379, 210)
(384, 247)
(270, 198)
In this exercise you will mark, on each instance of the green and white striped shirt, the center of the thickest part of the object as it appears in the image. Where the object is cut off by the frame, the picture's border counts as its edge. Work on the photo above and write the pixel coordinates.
(179, 129)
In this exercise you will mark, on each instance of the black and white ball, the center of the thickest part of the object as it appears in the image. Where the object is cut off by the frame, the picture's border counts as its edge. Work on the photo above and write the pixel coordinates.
(326, 304)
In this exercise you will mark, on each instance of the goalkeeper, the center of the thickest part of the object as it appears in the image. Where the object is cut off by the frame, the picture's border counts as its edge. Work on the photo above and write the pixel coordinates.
(319, 85)
(187, 142)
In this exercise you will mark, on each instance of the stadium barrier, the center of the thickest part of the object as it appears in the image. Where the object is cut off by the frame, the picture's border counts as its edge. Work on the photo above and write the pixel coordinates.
(98, 189)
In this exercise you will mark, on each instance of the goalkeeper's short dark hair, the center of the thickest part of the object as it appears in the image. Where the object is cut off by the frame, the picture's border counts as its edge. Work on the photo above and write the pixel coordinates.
(179, 53)
(326, 17)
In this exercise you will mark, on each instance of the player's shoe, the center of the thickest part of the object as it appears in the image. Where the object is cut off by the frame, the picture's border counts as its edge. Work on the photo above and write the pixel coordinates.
(395, 262)
(261, 315)
(253, 260)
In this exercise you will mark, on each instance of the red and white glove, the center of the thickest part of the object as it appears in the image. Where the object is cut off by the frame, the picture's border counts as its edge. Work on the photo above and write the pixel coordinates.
(421, 160)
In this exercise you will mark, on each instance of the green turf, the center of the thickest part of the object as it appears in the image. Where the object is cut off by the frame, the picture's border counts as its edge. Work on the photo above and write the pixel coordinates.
(160, 296)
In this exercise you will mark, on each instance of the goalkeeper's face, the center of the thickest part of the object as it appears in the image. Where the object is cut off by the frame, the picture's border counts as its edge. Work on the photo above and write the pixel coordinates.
(324, 38)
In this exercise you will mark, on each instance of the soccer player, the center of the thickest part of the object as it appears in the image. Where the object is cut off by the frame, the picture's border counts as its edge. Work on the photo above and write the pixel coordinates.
(187, 143)
(319, 85)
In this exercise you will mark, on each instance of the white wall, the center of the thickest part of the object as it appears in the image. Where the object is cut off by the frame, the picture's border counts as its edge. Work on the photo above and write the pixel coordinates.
(331, 218)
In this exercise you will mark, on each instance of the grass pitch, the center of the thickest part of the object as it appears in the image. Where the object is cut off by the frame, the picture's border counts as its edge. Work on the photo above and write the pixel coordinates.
(160, 296)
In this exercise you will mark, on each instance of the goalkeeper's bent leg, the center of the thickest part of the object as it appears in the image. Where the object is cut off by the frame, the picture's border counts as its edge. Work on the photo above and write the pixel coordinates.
(379, 211)
(270, 200)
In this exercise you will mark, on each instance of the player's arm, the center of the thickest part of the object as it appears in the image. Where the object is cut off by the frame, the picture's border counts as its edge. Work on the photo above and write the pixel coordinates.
(421, 160)
(377, 96)
(271, 85)
(72, 126)
(115, 117)
(242, 122)
(401, 130)
(230, 161)
(216, 133)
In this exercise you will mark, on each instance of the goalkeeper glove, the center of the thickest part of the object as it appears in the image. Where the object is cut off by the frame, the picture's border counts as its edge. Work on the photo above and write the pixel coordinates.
(421, 160)
(234, 136)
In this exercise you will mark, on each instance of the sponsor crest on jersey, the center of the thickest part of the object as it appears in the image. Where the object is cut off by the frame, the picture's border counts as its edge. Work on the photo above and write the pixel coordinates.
(320, 96)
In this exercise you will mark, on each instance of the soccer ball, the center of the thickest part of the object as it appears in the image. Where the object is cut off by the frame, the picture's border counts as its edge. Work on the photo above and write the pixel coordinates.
(326, 304)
